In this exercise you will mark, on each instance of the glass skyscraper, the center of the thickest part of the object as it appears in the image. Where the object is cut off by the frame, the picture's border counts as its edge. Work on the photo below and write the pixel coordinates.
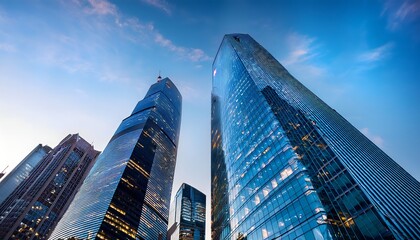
(187, 219)
(22, 171)
(285, 165)
(33, 209)
(127, 193)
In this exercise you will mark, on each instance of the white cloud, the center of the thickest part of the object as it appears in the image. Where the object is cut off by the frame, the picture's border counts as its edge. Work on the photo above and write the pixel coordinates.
(301, 58)
(399, 12)
(379, 141)
(193, 54)
(160, 4)
(102, 7)
(301, 49)
(144, 30)
(135, 24)
(376, 54)
(114, 76)
(66, 53)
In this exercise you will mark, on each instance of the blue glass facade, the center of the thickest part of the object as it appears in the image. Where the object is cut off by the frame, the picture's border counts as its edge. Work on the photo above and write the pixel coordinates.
(33, 209)
(286, 165)
(22, 171)
(187, 219)
(127, 193)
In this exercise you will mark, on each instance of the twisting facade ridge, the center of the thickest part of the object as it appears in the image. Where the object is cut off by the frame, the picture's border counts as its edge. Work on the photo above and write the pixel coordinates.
(127, 193)
(286, 165)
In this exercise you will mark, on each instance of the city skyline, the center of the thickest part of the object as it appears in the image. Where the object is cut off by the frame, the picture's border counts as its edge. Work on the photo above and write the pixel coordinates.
(106, 54)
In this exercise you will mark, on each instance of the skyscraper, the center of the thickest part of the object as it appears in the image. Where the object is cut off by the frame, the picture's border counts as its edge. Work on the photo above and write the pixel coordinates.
(187, 219)
(286, 165)
(22, 171)
(127, 193)
(33, 209)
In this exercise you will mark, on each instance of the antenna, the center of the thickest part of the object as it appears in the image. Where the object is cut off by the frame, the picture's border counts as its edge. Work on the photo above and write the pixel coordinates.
(159, 78)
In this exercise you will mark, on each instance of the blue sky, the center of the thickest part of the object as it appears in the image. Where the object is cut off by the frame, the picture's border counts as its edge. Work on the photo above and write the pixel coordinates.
(81, 66)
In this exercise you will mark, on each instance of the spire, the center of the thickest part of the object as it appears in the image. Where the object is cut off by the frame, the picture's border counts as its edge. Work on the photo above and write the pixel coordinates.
(159, 77)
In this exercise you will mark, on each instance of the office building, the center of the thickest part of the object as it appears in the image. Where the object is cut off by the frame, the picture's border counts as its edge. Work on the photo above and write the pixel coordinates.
(187, 218)
(127, 193)
(33, 209)
(285, 165)
(21, 171)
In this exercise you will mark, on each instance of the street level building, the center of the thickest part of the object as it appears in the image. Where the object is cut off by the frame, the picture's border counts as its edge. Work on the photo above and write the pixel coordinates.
(187, 218)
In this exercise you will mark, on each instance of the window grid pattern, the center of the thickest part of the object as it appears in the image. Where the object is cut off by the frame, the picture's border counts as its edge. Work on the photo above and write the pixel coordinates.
(127, 193)
(219, 183)
(345, 203)
(188, 214)
(267, 186)
(22, 171)
(391, 191)
(33, 209)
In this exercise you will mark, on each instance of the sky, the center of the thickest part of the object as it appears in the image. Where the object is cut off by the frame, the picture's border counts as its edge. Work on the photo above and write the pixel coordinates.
(80, 66)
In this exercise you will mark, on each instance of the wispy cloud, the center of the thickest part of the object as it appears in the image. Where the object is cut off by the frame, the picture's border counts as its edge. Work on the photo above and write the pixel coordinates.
(399, 12)
(143, 30)
(69, 62)
(302, 54)
(102, 7)
(379, 141)
(188, 92)
(7, 47)
(193, 54)
(115, 76)
(99, 7)
(302, 48)
(136, 25)
(64, 52)
(160, 4)
(307, 60)
(376, 54)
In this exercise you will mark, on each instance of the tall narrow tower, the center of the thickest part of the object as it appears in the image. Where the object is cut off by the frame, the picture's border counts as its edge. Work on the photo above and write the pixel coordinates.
(127, 193)
(33, 209)
(286, 165)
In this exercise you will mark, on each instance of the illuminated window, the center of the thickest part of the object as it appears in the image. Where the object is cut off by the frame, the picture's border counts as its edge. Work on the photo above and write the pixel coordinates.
(265, 192)
(286, 172)
(257, 200)
(274, 183)
(264, 233)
